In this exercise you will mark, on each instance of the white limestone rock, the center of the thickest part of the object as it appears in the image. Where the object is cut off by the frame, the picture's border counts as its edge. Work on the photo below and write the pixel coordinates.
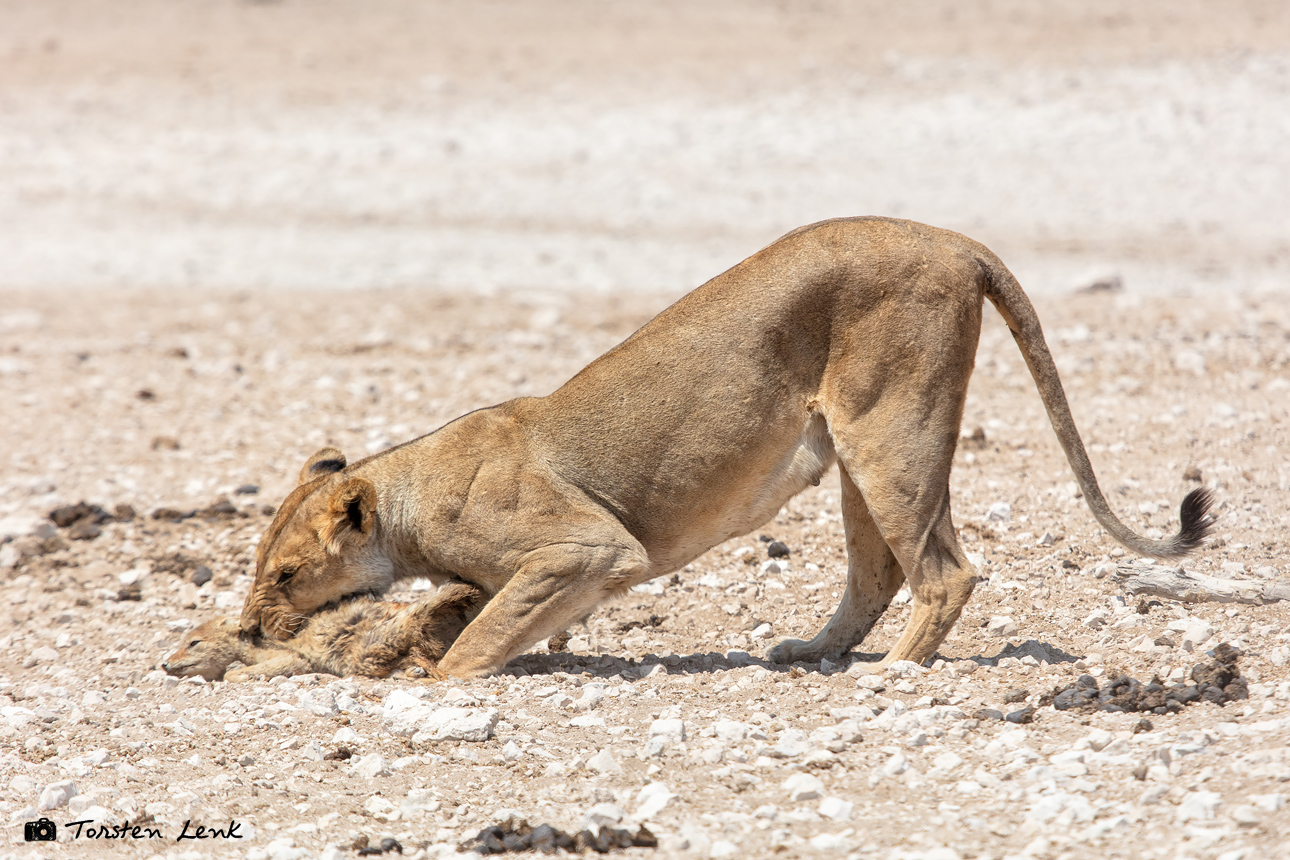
(320, 703)
(370, 766)
(803, 786)
(1198, 806)
(404, 714)
(1001, 626)
(836, 809)
(670, 730)
(653, 799)
(57, 794)
(604, 762)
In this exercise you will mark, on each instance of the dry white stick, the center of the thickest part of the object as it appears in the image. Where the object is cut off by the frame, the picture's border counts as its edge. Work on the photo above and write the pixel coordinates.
(1178, 584)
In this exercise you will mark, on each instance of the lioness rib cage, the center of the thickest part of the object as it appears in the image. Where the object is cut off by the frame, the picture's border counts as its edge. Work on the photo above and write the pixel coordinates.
(849, 341)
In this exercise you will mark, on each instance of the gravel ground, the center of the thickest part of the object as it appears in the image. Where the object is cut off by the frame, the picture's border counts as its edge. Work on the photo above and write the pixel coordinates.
(219, 243)
(663, 710)
(378, 147)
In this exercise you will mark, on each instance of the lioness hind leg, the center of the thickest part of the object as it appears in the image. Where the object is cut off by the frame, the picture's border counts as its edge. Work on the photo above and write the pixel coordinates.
(899, 455)
(904, 477)
(941, 581)
(873, 578)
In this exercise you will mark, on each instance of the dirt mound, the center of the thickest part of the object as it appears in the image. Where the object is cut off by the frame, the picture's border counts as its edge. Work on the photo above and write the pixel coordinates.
(516, 835)
(81, 521)
(1218, 681)
(68, 515)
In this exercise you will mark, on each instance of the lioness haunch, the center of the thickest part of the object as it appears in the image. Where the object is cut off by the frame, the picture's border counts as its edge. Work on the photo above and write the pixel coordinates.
(362, 636)
(849, 341)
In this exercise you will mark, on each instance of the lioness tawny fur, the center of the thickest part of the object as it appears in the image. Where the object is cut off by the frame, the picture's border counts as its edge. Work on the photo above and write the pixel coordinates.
(848, 341)
(363, 636)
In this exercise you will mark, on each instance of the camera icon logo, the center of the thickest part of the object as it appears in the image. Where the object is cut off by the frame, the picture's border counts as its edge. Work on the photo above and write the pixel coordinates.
(40, 830)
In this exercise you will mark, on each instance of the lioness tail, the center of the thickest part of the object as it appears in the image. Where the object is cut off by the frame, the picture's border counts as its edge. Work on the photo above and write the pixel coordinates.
(1006, 295)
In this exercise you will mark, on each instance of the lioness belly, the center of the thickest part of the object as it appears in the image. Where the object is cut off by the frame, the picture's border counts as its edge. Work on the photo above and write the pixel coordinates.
(755, 499)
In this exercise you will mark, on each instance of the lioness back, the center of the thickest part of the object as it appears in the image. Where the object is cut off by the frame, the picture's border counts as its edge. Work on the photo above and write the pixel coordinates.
(719, 395)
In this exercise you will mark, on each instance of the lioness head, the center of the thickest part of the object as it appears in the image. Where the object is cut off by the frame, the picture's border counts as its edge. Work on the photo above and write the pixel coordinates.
(319, 548)
(207, 651)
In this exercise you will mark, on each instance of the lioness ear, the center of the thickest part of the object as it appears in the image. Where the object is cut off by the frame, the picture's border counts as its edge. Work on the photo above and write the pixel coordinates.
(352, 513)
(325, 462)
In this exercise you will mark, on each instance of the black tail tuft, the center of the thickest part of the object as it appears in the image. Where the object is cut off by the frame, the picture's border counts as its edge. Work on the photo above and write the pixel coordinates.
(1195, 518)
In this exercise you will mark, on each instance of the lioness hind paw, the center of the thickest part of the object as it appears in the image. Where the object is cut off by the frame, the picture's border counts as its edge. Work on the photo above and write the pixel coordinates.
(787, 651)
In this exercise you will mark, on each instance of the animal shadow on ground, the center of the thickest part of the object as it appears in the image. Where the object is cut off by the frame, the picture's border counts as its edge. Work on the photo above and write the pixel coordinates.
(711, 662)
(1041, 651)
(609, 666)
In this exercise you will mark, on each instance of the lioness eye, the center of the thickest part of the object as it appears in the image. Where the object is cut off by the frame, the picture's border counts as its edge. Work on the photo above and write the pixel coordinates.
(194, 643)
(284, 575)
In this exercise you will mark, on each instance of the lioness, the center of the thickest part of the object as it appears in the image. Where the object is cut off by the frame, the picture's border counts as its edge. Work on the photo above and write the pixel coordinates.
(847, 341)
(363, 636)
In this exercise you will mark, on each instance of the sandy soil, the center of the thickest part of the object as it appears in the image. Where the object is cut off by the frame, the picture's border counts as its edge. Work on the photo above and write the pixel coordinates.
(595, 147)
(237, 232)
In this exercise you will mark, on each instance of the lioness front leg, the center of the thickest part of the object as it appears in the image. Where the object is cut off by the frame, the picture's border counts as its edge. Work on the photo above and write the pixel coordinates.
(554, 587)
(873, 578)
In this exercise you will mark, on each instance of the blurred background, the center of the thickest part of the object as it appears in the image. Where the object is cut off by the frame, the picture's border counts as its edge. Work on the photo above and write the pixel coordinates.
(585, 145)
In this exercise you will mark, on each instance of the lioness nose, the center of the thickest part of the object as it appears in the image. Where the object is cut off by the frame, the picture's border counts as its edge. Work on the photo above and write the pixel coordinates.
(250, 625)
